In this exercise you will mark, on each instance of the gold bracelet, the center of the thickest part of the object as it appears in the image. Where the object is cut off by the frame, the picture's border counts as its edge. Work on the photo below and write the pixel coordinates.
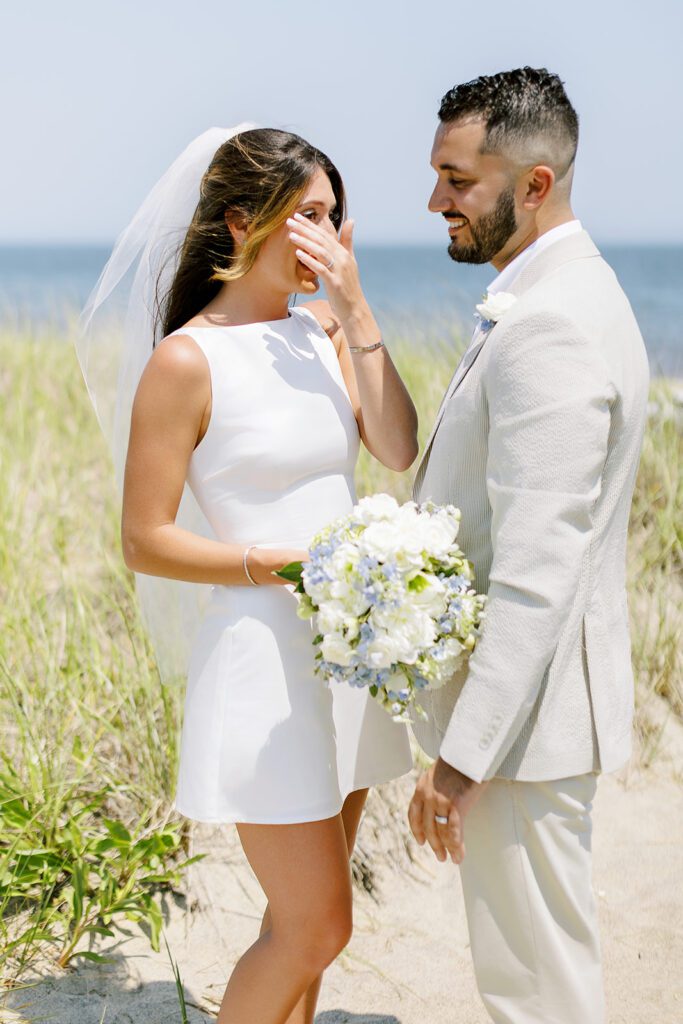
(246, 567)
(366, 348)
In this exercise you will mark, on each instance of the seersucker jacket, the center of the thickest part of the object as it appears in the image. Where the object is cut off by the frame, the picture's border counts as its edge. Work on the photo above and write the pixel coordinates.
(537, 441)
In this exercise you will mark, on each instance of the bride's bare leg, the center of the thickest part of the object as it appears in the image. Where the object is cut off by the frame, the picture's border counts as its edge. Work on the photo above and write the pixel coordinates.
(304, 1011)
(304, 872)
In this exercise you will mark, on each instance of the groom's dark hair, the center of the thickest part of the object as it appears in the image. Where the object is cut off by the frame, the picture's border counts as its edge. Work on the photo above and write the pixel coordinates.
(526, 113)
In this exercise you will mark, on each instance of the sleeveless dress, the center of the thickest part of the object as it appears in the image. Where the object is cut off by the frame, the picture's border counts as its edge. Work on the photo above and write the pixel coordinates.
(264, 740)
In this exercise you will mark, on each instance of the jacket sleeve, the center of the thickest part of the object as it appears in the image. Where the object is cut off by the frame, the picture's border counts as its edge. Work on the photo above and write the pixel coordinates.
(549, 396)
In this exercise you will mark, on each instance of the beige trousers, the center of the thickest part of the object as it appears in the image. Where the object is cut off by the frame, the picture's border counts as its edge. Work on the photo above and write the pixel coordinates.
(532, 918)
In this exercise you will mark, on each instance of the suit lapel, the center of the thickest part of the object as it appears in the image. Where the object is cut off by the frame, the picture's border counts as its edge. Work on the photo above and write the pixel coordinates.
(573, 247)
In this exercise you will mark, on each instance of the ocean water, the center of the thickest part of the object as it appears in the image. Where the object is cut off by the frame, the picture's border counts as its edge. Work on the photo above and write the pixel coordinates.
(43, 285)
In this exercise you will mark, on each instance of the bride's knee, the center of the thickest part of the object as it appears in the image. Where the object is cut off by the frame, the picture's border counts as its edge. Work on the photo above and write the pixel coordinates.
(318, 938)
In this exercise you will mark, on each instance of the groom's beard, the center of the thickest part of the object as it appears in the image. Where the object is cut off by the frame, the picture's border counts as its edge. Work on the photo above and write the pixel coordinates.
(490, 233)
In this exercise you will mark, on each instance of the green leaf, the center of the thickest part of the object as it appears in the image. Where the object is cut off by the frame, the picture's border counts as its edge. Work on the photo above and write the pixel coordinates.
(118, 832)
(39, 935)
(95, 957)
(318, 639)
(291, 572)
(106, 844)
(191, 860)
(155, 921)
(78, 880)
(99, 929)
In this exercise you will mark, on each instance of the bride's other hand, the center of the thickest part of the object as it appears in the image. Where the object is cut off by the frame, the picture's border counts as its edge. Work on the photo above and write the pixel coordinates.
(264, 563)
(332, 259)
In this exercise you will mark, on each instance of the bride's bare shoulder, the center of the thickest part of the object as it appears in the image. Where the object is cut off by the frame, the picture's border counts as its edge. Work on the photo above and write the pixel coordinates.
(176, 372)
(179, 356)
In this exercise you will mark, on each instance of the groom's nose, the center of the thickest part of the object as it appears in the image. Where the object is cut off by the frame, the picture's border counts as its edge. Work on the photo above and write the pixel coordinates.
(439, 199)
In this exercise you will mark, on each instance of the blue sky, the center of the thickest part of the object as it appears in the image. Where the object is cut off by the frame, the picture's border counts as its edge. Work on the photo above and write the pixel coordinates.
(99, 98)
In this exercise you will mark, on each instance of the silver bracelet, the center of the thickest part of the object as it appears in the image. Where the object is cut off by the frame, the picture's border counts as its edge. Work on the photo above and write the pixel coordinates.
(246, 567)
(366, 348)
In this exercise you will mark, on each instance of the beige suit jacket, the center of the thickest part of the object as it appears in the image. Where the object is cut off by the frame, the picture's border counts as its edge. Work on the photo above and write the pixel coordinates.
(537, 442)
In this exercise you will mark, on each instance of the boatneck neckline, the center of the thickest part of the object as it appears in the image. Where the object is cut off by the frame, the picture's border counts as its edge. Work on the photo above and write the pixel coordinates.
(231, 327)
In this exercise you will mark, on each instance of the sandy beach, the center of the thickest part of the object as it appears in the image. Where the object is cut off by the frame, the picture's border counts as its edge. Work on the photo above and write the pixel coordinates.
(408, 961)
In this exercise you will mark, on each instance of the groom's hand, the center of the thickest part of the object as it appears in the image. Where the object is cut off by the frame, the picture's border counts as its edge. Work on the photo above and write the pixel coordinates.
(445, 791)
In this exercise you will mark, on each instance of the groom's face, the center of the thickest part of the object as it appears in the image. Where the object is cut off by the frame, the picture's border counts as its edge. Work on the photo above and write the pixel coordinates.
(474, 192)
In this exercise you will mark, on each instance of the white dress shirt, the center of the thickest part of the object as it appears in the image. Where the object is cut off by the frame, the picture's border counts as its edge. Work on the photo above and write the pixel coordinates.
(516, 266)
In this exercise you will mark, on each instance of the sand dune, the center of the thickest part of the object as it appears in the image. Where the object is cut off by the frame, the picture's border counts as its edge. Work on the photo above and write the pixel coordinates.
(408, 961)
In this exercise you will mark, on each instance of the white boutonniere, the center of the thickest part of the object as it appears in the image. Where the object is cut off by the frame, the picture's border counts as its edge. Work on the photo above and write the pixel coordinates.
(494, 307)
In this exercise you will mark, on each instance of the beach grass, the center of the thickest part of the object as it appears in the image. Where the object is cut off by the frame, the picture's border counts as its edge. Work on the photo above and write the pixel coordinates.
(89, 742)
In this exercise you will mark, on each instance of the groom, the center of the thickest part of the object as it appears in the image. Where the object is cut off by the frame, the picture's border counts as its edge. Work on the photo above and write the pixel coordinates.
(537, 441)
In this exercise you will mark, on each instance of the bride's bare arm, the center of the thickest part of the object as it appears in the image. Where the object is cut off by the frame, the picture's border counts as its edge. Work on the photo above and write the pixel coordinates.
(170, 415)
(384, 410)
(386, 416)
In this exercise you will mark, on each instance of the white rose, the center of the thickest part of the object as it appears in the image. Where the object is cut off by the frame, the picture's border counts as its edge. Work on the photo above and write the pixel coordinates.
(416, 634)
(496, 305)
(318, 592)
(407, 514)
(331, 617)
(352, 600)
(334, 618)
(447, 666)
(351, 627)
(395, 681)
(376, 507)
(336, 649)
(382, 652)
(410, 629)
(433, 600)
(435, 535)
(339, 561)
(381, 540)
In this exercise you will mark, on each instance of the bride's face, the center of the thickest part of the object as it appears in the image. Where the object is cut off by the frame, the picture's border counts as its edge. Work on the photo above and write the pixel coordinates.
(277, 259)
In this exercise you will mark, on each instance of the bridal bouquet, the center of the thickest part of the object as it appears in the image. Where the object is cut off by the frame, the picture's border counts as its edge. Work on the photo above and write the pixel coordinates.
(392, 597)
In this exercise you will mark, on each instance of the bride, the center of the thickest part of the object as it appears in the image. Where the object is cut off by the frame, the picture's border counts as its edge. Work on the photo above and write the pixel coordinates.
(259, 407)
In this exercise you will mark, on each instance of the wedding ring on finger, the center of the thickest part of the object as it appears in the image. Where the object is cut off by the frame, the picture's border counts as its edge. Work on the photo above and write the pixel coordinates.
(330, 264)
(441, 819)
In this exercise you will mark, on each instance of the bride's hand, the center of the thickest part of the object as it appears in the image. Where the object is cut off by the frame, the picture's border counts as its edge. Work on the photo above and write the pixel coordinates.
(332, 259)
(265, 562)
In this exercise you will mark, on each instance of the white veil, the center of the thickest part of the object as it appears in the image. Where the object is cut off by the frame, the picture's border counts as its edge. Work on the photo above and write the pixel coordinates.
(114, 342)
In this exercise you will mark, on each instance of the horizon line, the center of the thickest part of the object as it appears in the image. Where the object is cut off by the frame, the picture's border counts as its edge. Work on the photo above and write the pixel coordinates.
(370, 243)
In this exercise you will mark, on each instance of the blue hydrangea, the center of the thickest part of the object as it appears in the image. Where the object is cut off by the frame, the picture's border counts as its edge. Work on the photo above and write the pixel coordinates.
(315, 575)
(457, 583)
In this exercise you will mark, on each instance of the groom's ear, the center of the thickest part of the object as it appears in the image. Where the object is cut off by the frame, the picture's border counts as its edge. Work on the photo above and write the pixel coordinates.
(540, 181)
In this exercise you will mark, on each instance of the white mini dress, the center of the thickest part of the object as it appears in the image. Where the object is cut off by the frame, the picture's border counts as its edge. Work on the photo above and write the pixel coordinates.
(265, 740)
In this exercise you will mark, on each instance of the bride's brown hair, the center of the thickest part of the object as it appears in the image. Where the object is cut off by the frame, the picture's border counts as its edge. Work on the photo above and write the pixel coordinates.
(260, 174)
